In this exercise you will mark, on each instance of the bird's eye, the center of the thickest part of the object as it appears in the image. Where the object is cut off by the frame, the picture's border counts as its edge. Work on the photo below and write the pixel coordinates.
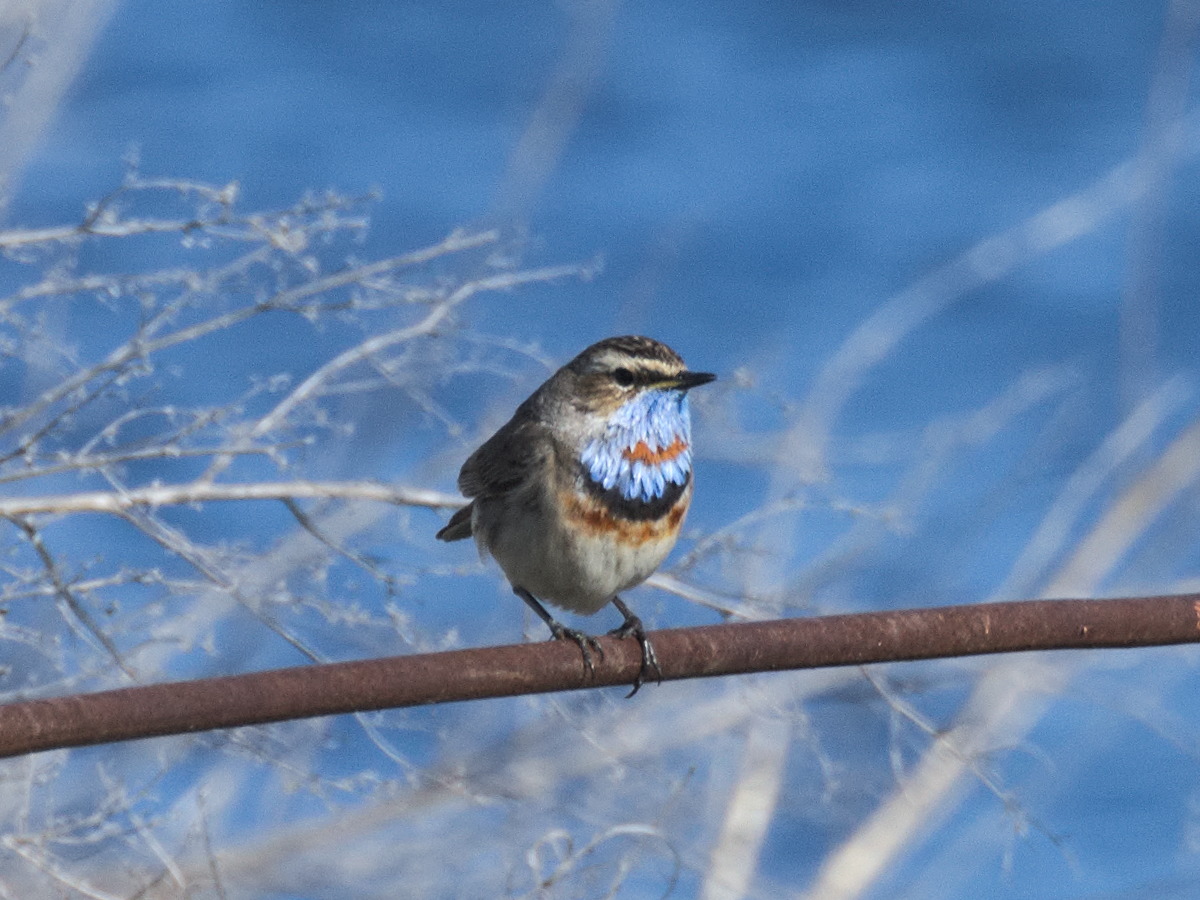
(623, 377)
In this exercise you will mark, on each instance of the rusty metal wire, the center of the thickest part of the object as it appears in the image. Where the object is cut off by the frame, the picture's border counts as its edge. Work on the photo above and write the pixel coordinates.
(273, 696)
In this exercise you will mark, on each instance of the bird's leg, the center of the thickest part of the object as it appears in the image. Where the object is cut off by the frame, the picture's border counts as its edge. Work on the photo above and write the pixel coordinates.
(586, 642)
(633, 625)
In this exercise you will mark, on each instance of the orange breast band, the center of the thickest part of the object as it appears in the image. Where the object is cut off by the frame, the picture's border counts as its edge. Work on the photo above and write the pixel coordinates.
(642, 452)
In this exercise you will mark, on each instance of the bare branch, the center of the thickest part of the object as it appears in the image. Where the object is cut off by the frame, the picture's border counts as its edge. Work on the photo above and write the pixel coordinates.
(198, 492)
(86, 462)
(368, 348)
(307, 523)
(76, 614)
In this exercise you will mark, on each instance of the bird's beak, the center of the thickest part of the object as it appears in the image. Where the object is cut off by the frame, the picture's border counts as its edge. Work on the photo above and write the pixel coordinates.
(687, 380)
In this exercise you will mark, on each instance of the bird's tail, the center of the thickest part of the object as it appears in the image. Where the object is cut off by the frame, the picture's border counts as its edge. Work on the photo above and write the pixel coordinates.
(459, 526)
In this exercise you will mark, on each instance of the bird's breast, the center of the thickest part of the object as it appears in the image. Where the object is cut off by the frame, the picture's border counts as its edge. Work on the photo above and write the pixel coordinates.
(601, 515)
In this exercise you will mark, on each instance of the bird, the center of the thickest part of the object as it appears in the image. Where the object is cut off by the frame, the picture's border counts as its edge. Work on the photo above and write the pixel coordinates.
(583, 492)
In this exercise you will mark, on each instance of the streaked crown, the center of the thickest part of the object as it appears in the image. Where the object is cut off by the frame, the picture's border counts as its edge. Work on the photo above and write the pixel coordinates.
(610, 372)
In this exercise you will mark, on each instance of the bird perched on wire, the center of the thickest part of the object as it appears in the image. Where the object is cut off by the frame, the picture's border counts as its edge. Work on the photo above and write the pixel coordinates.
(582, 493)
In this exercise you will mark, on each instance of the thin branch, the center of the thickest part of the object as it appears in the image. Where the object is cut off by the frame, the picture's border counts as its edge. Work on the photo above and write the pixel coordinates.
(103, 218)
(85, 462)
(143, 345)
(77, 616)
(199, 492)
(309, 388)
(282, 694)
(353, 556)
(204, 561)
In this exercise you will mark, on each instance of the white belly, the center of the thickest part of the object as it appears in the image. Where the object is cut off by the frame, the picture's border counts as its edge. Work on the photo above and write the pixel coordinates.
(577, 569)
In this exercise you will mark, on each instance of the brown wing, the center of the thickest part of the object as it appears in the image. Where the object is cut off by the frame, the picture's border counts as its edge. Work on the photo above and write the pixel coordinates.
(501, 465)
(505, 460)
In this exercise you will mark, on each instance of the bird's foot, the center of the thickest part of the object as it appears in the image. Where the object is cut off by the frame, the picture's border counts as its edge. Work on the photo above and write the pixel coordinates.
(586, 643)
(560, 632)
(633, 626)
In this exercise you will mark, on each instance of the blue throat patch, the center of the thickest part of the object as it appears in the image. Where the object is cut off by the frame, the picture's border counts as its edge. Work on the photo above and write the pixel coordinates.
(656, 418)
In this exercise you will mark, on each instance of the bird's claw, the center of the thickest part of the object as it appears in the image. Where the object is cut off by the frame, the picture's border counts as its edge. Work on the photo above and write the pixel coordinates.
(586, 643)
(650, 668)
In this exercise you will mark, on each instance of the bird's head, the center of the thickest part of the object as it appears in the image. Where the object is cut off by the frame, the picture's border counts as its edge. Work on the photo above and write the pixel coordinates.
(632, 393)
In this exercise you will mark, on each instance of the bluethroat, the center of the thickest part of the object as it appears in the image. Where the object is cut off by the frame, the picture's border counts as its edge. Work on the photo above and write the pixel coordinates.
(582, 493)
